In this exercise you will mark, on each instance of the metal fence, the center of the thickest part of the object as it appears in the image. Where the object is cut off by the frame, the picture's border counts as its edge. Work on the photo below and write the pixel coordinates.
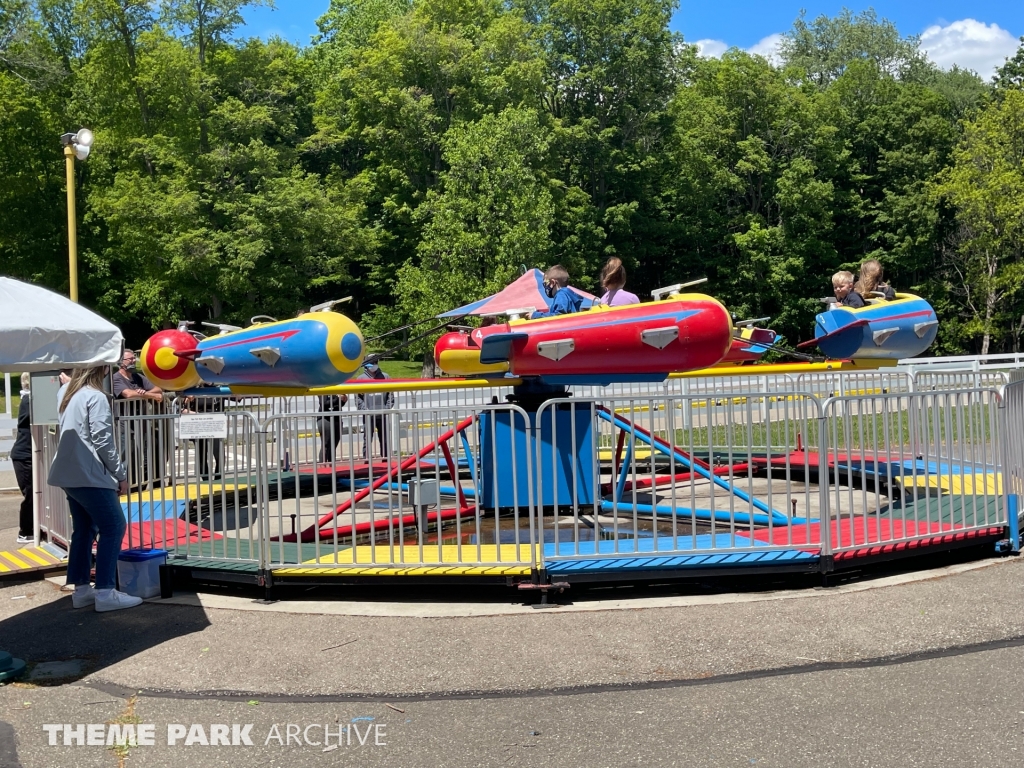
(1012, 422)
(691, 475)
(52, 516)
(912, 467)
(826, 465)
(397, 489)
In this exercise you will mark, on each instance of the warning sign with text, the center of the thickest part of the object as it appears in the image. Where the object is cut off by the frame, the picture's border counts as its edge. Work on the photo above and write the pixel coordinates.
(202, 426)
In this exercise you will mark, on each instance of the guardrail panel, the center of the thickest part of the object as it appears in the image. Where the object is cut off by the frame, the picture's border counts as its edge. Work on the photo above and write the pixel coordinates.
(710, 474)
(918, 467)
(371, 487)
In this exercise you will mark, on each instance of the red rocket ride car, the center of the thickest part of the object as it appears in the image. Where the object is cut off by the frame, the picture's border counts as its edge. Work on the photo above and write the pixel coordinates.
(635, 342)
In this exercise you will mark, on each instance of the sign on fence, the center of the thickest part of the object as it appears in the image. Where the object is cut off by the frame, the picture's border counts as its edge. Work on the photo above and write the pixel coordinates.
(202, 426)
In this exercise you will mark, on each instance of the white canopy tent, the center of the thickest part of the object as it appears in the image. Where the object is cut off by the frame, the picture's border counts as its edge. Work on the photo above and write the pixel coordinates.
(41, 330)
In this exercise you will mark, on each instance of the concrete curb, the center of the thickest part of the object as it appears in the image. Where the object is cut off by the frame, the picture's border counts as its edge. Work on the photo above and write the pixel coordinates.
(437, 610)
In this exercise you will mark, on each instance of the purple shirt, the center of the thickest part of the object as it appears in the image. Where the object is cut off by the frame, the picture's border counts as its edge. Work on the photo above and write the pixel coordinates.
(619, 298)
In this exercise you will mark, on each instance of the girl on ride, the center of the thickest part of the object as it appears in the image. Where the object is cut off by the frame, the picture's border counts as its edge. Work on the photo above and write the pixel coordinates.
(613, 280)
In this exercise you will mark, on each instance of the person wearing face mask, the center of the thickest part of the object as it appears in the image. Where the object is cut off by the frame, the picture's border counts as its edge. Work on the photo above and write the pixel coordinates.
(565, 301)
(375, 401)
(130, 384)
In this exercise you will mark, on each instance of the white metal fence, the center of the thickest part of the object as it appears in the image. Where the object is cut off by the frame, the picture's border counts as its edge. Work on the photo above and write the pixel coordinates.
(778, 468)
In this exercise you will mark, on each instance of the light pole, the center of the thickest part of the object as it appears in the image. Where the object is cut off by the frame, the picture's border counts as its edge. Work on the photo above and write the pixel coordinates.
(75, 145)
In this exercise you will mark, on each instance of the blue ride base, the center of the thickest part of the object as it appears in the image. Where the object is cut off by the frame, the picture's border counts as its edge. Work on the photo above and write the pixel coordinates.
(509, 457)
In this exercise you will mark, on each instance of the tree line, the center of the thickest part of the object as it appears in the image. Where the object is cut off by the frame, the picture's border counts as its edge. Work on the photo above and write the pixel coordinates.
(418, 155)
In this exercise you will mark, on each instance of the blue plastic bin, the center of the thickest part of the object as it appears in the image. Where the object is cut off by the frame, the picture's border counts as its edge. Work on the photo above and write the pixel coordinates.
(138, 571)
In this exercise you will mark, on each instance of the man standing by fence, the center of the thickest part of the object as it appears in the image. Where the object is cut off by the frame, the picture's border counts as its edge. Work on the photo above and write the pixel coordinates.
(375, 401)
(142, 438)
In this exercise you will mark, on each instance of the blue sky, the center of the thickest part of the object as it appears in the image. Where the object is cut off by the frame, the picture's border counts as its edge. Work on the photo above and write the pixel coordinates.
(978, 34)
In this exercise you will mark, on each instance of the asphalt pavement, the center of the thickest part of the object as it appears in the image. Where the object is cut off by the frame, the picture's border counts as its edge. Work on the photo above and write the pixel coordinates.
(923, 671)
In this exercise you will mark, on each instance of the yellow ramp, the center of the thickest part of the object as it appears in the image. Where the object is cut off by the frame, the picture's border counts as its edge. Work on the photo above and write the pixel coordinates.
(446, 560)
(28, 559)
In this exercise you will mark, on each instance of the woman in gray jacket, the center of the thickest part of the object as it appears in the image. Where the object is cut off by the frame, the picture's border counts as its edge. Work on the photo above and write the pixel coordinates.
(90, 471)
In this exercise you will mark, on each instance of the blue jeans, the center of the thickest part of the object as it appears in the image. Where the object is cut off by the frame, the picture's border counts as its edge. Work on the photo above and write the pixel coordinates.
(95, 511)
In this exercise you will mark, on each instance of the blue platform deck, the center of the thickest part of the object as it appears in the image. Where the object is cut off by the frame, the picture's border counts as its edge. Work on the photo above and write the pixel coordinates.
(611, 557)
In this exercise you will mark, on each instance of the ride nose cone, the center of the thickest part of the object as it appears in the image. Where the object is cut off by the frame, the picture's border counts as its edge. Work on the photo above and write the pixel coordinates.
(163, 367)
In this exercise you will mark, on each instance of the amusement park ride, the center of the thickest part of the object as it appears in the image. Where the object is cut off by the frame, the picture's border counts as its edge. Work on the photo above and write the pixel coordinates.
(676, 333)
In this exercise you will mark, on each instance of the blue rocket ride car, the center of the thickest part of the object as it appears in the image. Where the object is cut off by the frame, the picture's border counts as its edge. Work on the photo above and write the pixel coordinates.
(880, 330)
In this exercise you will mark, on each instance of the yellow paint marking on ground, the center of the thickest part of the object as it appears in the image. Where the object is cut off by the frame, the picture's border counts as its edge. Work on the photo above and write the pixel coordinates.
(485, 560)
(607, 454)
(959, 484)
(427, 570)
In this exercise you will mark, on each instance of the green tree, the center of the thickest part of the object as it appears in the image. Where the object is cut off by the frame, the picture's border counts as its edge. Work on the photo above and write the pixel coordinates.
(825, 47)
(756, 158)
(985, 187)
(384, 116)
(33, 240)
(227, 224)
(611, 74)
(1011, 74)
(492, 212)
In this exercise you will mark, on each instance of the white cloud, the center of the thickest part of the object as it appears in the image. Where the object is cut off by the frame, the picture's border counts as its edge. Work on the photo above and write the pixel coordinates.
(768, 47)
(711, 49)
(970, 44)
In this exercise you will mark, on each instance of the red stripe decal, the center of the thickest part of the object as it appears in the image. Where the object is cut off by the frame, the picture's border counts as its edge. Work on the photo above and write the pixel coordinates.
(921, 313)
(283, 335)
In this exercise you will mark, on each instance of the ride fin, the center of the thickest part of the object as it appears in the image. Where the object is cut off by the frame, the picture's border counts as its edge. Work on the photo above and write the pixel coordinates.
(497, 348)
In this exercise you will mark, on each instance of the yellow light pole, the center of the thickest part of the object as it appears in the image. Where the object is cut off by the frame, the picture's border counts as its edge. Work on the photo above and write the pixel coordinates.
(76, 145)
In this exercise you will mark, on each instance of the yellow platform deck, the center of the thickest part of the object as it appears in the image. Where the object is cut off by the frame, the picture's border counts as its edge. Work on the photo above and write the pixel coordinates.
(977, 484)
(485, 560)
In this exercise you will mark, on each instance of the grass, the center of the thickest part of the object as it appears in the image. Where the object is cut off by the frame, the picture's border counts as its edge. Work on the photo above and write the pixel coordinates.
(875, 431)
(401, 369)
(15, 395)
(127, 717)
(15, 401)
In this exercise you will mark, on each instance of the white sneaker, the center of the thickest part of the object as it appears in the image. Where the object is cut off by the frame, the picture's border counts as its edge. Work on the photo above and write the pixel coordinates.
(24, 539)
(112, 600)
(83, 596)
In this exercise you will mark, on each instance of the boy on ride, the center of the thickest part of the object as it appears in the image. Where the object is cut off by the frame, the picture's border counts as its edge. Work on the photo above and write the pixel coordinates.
(565, 300)
(842, 284)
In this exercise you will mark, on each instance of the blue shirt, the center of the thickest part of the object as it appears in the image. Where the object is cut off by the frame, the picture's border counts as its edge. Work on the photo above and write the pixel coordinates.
(566, 302)
(86, 454)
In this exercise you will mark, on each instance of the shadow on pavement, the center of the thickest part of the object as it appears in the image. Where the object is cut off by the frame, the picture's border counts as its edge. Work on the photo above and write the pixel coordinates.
(55, 632)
